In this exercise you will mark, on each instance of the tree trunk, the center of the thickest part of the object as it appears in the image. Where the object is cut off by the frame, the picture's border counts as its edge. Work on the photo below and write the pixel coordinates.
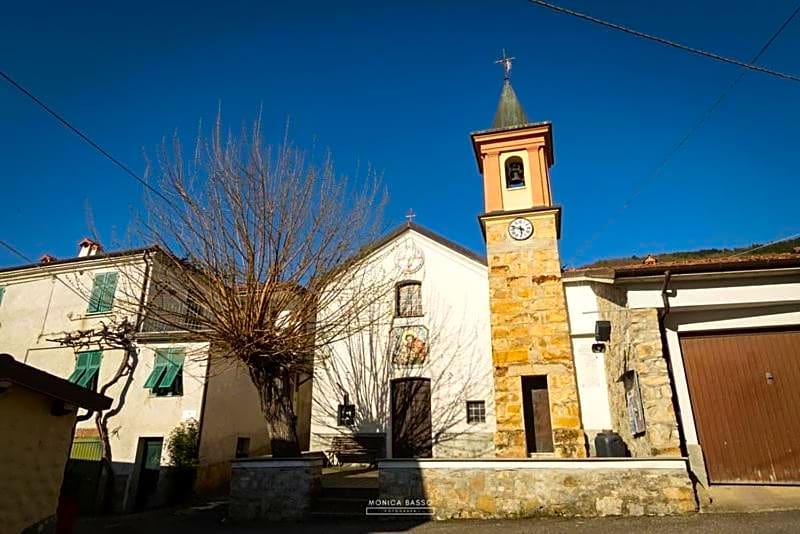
(281, 419)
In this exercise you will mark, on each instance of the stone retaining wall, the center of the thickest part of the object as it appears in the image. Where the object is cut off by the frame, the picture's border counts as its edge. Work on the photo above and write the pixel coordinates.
(525, 488)
(273, 488)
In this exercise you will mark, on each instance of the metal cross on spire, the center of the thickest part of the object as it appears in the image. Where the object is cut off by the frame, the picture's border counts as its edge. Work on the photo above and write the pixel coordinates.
(505, 61)
(410, 216)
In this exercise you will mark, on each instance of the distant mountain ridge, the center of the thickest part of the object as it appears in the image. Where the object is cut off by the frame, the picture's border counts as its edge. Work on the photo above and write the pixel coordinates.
(784, 247)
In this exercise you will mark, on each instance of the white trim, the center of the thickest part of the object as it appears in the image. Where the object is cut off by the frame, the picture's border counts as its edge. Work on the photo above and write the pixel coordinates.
(580, 464)
(710, 321)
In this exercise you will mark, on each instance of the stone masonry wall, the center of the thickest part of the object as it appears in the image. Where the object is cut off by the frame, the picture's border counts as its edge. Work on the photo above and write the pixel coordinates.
(509, 493)
(274, 489)
(636, 344)
(530, 333)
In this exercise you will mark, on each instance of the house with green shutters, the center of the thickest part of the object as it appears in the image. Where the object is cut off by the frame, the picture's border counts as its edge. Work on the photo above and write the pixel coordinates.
(170, 379)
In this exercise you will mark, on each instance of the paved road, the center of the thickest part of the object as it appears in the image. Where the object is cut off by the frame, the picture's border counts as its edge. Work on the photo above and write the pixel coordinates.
(202, 522)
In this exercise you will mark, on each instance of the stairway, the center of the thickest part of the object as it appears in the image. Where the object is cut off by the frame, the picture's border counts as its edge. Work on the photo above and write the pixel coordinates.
(342, 501)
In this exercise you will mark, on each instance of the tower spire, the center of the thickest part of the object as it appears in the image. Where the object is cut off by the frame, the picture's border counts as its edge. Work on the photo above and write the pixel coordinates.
(509, 112)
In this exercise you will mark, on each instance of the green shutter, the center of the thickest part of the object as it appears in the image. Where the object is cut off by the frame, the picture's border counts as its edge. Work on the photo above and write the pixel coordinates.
(102, 298)
(92, 365)
(2, 292)
(158, 371)
(109, 287)
(80, 368)
(174, 358)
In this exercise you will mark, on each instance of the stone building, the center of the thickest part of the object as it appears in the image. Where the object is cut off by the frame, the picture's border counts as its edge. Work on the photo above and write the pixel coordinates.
(696, 359)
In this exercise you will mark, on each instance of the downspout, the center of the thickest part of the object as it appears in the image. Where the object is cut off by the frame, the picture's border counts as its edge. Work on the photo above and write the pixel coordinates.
(662, 318)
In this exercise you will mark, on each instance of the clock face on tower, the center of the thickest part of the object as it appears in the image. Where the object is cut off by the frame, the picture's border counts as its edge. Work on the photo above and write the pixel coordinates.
(520, 229)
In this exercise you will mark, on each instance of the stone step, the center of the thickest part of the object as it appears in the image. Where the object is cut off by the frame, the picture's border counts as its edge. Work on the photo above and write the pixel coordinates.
(339, 506)
(348, 493)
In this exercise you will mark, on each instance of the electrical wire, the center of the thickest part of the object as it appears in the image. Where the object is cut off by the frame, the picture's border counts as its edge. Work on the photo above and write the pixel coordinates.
(666, 42)
(640, 186)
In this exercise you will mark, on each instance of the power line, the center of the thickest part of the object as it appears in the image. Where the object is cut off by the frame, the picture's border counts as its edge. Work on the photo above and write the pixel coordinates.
(27, 258)
(82, 135)
(15, 251)
(639, 188)
(781, 240)
(667, 42)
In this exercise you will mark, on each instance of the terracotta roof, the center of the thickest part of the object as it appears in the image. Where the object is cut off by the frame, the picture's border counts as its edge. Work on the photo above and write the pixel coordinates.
(50, 385)
(691, 265)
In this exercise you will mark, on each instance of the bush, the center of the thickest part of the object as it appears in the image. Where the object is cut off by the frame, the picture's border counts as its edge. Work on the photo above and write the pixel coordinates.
(182, 446)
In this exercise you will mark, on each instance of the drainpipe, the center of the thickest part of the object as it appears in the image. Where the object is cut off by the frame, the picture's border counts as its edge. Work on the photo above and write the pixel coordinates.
(662, 318)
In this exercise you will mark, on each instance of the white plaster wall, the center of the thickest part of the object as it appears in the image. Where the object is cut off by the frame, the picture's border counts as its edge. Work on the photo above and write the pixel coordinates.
(42, 303)
(735, 290)
(589, 367)
(455, 297)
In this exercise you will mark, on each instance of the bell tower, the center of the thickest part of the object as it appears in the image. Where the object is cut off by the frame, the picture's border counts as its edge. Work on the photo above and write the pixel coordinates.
(536, 394)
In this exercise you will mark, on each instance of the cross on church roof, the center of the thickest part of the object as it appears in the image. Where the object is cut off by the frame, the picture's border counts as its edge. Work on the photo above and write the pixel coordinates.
(506, 62)
(410, 216)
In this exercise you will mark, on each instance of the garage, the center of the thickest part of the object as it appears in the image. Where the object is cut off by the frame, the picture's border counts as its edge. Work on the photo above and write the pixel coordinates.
(745, 396)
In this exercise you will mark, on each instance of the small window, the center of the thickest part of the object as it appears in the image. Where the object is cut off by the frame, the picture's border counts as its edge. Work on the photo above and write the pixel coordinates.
(166, 379)
(476, 412)
(515, 173)
(87, 365)
(242, 447)
(102, 298)
(408, 297)
(346, 414)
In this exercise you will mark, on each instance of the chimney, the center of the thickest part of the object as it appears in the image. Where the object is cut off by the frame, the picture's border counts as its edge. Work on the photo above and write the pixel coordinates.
(47, 258)
(87, 247)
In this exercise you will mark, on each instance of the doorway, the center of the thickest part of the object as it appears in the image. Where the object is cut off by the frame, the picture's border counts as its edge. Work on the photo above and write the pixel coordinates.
(536, 410)
(411, 418)
(149, 471)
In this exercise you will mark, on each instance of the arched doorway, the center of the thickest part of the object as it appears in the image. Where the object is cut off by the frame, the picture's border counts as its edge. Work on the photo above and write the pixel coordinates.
(411, 418)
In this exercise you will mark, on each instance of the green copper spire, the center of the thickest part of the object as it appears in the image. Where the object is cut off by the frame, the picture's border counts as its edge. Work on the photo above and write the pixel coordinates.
(509, 110)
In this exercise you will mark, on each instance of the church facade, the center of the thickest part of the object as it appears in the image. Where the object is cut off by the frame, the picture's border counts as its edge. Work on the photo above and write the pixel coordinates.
(638, 352)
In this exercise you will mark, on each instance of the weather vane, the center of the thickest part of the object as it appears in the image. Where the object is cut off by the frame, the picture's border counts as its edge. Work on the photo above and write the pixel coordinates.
(505, 61)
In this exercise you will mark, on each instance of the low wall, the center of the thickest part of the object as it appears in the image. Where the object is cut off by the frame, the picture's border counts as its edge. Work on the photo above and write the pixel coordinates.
(273, 488)
(533, 487)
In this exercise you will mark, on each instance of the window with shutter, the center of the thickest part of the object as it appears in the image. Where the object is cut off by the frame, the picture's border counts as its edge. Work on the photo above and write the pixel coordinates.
(166, 379)
(103, 289)
(87, 365)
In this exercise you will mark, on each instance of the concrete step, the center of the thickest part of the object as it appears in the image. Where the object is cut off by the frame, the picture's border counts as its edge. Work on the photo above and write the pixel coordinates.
(338, 502)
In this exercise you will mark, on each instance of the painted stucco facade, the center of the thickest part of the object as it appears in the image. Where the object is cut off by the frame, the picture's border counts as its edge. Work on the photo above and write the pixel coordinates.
(454, 290)
(733, 301)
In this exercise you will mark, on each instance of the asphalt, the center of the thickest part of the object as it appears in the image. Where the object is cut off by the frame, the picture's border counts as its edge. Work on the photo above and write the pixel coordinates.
(201, 521)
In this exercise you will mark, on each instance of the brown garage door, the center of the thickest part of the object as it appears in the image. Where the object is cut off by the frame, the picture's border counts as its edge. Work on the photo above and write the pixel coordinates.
(745, 393)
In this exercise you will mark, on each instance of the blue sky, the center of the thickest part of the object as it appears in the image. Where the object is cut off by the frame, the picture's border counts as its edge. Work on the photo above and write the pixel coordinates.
(401, 85)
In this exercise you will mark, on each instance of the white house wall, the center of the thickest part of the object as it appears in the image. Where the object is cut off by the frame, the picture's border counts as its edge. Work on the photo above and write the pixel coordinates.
(589, 367)
(456, 311)
(42, 303)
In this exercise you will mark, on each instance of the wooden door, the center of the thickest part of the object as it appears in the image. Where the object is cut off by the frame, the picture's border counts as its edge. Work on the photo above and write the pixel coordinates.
(411, 418)
(745, 393)
(149, 471)
(536, 410)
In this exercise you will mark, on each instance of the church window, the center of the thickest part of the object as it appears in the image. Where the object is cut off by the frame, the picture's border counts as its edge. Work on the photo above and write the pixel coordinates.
(476, 412)
(515, 173)
(408, 299)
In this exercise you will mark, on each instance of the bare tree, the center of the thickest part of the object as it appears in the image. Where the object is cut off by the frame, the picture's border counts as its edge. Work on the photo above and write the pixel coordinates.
(256, 240)
(362, 366)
